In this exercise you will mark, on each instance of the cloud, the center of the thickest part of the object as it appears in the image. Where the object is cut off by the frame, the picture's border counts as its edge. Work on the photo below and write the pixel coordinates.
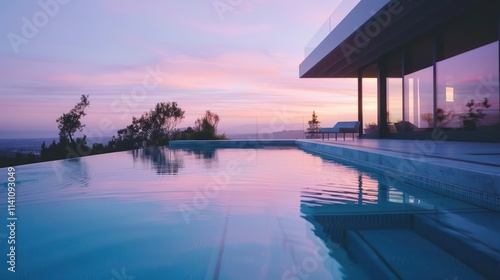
(238, 85)
(243, 67)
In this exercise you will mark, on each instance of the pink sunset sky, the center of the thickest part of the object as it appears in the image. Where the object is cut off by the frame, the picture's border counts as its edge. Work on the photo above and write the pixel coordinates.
(241, 63)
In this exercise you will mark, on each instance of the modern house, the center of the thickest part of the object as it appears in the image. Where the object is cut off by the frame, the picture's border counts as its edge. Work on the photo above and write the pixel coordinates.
(431, 67)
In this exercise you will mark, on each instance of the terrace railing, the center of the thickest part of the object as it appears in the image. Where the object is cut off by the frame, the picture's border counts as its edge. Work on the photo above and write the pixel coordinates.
(332, 21)
(352, 14)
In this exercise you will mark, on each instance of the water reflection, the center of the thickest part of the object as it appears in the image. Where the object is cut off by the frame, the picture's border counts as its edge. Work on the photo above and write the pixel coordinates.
(265, 208)
(350, 206)
(162, 159)
(206, 153)
(355, 189)
(72, 172)
(363, 202)
(209, 156)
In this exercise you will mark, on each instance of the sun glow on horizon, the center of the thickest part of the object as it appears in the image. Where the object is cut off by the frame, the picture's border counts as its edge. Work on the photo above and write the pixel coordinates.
(242, 68)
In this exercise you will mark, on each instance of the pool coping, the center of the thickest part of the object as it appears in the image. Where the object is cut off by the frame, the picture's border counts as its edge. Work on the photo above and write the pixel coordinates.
(471, 182)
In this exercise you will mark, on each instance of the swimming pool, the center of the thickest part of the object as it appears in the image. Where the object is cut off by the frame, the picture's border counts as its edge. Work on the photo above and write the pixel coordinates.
(271, 213)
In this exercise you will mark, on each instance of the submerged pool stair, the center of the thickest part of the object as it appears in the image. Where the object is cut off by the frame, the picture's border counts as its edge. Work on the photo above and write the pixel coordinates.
(427, 249)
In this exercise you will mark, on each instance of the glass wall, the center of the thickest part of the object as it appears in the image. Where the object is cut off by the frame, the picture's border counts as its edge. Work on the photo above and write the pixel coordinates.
(370, 100)
(419, 101)
(394, 90)
(370, 116)
(394, 103)
(447, 78)
(468, 91)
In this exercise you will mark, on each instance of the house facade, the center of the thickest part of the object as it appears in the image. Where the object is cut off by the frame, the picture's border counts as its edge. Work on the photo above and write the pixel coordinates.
(424, 68)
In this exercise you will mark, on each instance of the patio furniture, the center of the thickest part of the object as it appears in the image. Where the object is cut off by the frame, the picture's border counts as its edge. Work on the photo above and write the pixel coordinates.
(340, 127)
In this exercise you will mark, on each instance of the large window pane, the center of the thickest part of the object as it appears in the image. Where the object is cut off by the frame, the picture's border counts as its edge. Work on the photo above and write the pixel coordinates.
(394, 91)
(463, 83)
(370, 122)
(419, 101)
(370, 105)
(394, 102)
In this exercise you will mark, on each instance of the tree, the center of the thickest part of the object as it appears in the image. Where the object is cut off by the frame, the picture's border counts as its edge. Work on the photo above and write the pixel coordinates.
(442, 118)
(153, 128)
(314, 126)
(70, 123)
(206, 127)
(474, 115)
(166, 117)
(186, 134)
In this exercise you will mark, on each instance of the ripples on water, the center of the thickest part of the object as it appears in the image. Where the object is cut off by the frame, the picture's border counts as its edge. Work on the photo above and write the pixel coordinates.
(174, 214)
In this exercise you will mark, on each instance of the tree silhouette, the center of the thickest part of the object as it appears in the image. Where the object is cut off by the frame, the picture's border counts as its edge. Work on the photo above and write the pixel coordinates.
(442, 117)
(206, 127)
(474, 115)
(165, 117)
(153, 128)
(70, 123)
(314, 126)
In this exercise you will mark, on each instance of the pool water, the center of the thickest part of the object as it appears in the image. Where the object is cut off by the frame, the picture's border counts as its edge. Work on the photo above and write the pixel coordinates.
(272, 213)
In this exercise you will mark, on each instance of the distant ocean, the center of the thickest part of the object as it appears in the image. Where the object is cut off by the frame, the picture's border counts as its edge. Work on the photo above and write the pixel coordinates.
(10, 147)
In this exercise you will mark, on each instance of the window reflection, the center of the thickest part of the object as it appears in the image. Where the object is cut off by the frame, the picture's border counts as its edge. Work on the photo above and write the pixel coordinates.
(394, 103)
(394, 90)
(419, 101)
(370, 100)
(370, 107)
(463, 83)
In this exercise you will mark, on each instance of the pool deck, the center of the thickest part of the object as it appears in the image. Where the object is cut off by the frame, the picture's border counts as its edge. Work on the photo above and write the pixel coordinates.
(471, 152)
(467, 171)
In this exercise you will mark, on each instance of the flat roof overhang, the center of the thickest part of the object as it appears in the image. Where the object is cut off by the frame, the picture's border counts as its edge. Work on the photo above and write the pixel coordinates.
(414, 19)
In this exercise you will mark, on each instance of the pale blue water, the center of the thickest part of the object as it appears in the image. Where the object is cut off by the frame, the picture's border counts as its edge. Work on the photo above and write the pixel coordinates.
(174, 214)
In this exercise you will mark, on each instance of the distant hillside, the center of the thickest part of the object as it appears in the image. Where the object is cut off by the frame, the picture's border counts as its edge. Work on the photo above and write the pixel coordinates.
(10, 147)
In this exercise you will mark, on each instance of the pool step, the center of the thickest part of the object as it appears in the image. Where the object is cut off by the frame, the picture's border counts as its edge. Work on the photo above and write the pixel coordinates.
(367, 258)
(335, 226)
(403, 254)
(480, 256)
